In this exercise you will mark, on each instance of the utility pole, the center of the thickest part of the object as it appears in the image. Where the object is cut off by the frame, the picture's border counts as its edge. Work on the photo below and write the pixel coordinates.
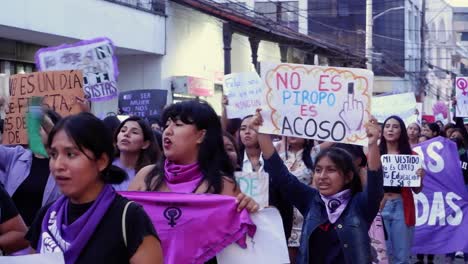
(369, 27)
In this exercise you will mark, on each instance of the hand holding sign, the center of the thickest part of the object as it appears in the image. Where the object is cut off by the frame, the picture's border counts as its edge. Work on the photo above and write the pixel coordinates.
(373, 131)
(352, 113)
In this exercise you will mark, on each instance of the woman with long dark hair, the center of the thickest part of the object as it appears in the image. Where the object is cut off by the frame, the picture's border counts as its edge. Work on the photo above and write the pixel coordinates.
(136, 148)
(339, 211)
(91, 223)
(398, 211)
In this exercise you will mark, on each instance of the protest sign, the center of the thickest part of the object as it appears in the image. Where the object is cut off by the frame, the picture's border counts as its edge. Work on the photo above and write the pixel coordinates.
(322, 103)
(442, 206)
(50, 258)
(60, 91)
(255, 185)
(243, 91)
(403, 105)
(267, 246)
(4, 93)
(400, 170)
(461, 92)
(96, 58)
(142, 103)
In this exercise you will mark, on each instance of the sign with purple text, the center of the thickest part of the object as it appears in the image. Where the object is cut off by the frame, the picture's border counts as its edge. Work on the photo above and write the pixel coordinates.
(96, 58)
(243, 91)
(400, 170)
(461, 92)
(442, 206)
(316, 102)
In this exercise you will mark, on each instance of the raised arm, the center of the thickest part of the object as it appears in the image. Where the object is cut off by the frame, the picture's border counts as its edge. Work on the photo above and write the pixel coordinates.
(373, 190)
(281, 179)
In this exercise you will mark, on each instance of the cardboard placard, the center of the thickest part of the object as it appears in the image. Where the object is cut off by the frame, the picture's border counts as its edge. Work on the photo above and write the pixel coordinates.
(400, 170)
(315, 102)
(461, 92)
(243, 91)
(96, 58)
(142, 103)
(255, 185)
(59, 89)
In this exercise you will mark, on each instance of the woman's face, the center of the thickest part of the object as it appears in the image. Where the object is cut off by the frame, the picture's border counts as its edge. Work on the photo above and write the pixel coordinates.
(449, 132)
(75, 172)
(422, 139)
(181, 141)
(413, 131)
(392, 130)
(328, 179)
(296, 143)
(426, 131)
(230, 150)
(456, 134)
(247, 135)
(131, 139)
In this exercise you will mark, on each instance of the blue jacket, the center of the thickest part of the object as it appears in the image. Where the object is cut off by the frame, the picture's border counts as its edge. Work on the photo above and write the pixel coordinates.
(353, 225)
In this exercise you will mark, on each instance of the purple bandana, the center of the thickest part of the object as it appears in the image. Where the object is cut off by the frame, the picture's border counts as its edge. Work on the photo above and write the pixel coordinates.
(182, 178)
(59, 236)
(336, 204)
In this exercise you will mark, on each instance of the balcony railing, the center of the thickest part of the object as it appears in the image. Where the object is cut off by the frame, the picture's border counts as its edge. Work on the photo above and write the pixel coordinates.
(153, 6)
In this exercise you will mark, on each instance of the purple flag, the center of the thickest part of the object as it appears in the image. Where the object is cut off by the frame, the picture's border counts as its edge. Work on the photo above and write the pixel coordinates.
(442, 206)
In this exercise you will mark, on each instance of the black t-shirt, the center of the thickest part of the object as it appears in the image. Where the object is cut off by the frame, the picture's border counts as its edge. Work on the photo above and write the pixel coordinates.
(28, 196)
(464, 166)
(106, 245)
(7, 207)
(325, 246)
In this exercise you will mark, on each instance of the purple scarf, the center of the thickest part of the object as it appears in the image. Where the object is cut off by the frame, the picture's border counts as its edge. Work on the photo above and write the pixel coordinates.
(182, 178)
(336, 204)
(59, 236)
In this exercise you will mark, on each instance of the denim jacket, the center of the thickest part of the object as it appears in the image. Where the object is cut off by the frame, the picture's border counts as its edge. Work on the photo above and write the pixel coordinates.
(353, 224)
(15, 165)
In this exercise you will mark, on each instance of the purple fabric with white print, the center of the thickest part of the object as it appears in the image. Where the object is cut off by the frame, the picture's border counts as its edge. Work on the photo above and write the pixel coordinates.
(442, 206)
(96, 58)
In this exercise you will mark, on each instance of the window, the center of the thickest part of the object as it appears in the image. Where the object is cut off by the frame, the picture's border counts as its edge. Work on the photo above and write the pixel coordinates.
(157, 6)
(328, 8)
(464, 36)
(284, 12)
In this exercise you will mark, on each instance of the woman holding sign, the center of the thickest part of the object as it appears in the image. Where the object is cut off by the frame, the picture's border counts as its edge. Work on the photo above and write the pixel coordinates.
(26, 175)
(398, 211)
(91, 223)
(136, 148)
(338, 213)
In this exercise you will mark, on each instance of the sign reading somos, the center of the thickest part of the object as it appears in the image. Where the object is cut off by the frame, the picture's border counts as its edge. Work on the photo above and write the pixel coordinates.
(322, 103)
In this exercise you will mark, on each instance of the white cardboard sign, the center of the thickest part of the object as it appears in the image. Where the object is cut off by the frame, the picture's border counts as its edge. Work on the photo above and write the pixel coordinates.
(400, 170)
(255, 185)
(461, 92)
(243, 91)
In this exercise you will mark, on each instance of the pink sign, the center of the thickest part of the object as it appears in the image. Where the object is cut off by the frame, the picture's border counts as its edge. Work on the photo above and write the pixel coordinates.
(199, 86)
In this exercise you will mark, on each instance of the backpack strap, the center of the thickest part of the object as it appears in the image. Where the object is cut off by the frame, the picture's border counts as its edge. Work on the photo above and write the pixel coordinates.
(124, 226)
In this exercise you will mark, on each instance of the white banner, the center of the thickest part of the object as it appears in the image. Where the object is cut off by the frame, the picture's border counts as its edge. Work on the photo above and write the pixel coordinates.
(96, 58)
(267, 246)
(243, 91)
(403, 105)
(400, 170)
(461, 92)
(322, 103)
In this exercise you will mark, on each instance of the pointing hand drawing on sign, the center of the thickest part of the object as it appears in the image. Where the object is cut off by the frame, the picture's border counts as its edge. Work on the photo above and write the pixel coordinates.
(352, 113)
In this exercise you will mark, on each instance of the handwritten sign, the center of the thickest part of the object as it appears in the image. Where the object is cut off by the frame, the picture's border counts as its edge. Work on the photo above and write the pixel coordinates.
(142, 103)
(400, 170)
(403, 105)
(49, 258)
(322, 103)
(59, 89)
(267, 246)
(255, 185)
(461, 92)
(243, 91)
(96, 58)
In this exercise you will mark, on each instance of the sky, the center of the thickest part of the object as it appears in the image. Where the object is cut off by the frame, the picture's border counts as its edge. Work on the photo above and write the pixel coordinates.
(458, 2)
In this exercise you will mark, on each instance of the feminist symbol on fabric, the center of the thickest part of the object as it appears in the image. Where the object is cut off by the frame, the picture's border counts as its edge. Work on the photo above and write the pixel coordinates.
(462, 84)
(333, 204)
(172, 214)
